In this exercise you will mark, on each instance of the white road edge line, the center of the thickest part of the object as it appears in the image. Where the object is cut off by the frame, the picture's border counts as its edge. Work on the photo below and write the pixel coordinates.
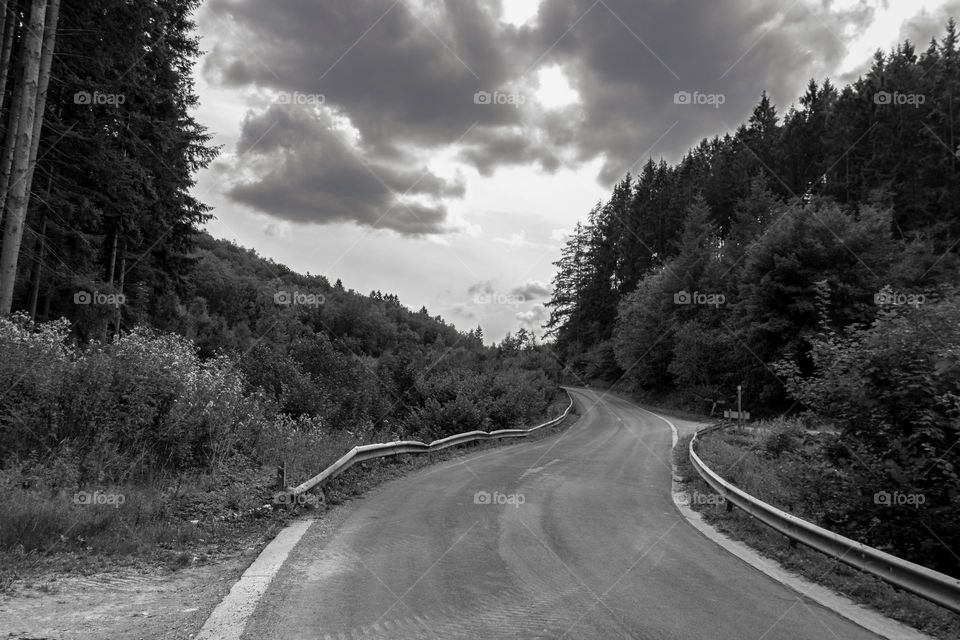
(229, 618)
(858, 614)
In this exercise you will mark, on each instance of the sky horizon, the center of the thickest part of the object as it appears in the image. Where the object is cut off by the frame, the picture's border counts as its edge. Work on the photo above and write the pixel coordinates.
(458, 143)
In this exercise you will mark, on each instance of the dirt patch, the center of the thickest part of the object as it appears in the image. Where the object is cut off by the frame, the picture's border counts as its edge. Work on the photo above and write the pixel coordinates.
(126, 603)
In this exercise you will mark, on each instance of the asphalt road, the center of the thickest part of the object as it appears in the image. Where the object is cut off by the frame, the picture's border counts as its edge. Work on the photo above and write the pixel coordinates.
(580, 540)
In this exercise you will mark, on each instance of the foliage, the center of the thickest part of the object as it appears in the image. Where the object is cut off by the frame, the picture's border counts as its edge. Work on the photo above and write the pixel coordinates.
(141, 404)
(844, 187)
(893, 390)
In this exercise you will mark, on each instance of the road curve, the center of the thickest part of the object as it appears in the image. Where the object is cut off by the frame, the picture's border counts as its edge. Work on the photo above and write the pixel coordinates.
(596, 549)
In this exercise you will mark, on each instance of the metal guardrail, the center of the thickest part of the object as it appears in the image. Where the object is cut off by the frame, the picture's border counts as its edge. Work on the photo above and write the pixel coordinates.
(926, 583)
(371, 451)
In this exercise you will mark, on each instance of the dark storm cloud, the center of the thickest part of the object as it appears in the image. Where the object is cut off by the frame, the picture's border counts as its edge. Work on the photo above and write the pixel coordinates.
(628, 60)
(295, 165)
(402, 73)
(490, 148)
(405, 74)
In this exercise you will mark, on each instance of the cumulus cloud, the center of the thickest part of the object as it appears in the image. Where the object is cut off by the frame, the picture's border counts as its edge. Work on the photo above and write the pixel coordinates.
(534, 318)
(463, 310)
(484, 286)
(532, 289)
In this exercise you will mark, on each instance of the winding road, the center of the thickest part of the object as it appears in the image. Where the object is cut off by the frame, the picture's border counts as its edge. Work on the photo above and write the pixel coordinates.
(572, 536)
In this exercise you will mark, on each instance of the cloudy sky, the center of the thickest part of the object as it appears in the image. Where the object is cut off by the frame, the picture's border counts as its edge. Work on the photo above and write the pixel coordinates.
(441, 149)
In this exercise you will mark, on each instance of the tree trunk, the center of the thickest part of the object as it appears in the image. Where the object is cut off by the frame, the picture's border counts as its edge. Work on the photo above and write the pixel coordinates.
(37, 275)
(6, 28)
(10, 142)
(17, 196)
(46, 62)
(123, 266)
(11, 10)
(112, 261)
(111, 264)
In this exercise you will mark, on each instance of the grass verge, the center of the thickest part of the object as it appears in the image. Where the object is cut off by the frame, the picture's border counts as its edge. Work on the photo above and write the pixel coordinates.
(176, 522)
(726, 450)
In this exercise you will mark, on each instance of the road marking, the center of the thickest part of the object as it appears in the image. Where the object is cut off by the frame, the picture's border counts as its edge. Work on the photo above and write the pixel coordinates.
(229, 619)
(538, 469)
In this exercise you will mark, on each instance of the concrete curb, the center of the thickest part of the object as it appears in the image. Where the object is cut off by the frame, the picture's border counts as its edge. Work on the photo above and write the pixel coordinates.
(229, 618)
(869, 619)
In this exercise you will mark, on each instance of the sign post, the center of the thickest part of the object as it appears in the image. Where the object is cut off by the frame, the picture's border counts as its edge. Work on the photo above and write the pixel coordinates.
(739, 408)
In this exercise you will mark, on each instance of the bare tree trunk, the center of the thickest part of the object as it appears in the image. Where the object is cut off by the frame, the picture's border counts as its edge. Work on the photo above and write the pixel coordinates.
(6, 27)
(123, 265)
(17, 196)
(10, 142)
(37, 274)
(111, 264)
(46, 62)
(113, 257)
(10, 11)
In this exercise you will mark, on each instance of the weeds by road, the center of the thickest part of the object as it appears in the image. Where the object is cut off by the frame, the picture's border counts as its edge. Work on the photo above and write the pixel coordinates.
(743, 459)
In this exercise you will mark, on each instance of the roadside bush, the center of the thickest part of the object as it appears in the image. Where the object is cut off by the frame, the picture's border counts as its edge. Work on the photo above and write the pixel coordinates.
(304, 445)
(781, 436)
(893, 390)
(118, 411)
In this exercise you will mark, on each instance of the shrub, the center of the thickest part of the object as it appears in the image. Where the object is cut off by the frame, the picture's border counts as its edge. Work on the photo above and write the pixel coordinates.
(142, 403)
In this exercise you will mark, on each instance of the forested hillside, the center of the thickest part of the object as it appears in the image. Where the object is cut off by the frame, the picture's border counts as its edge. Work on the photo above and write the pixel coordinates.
(139, 354)
(700, 276)
(112, 240)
